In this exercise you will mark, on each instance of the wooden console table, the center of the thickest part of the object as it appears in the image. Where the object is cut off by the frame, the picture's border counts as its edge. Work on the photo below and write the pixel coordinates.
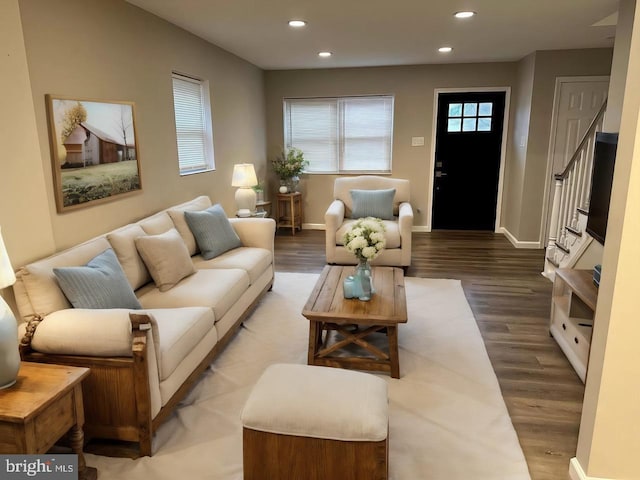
(43, 405)
(573, 306)
(290, 211)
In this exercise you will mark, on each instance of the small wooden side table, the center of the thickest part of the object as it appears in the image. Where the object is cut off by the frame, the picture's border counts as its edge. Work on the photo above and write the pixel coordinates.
(43, 405)
(290, 211)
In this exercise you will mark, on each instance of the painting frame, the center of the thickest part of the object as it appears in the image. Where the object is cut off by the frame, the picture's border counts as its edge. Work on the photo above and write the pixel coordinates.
(94, 151)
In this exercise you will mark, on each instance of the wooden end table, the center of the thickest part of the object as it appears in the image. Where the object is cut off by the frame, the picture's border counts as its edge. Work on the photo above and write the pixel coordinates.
(290, 211)
(327, 310)
(43, 405)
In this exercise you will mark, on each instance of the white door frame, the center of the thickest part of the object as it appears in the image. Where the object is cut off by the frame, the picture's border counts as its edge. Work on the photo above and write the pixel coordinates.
(544, 223)
(503, 148)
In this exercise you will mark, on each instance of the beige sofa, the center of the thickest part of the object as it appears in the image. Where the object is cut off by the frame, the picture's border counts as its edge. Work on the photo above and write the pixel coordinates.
(398, 230)
(144, 361)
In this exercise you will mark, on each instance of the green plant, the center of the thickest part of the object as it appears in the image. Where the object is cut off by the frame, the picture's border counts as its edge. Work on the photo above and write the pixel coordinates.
(289, 163)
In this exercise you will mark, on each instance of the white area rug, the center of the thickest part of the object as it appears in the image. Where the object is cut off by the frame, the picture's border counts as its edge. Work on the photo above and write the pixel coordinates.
(448, 420)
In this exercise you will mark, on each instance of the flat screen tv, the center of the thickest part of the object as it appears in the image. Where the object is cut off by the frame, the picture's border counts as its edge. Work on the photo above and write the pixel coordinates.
(603, 163)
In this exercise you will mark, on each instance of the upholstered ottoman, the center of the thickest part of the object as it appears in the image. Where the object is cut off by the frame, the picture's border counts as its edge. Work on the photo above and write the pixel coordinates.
(316, 423)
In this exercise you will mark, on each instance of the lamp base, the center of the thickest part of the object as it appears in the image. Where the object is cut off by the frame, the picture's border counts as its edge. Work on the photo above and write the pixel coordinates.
(246, 199)
(243, 212)
(9, 353)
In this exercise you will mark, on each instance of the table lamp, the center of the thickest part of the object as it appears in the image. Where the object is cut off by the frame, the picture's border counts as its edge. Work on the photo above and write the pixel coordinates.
(244, 177)
(9, 353)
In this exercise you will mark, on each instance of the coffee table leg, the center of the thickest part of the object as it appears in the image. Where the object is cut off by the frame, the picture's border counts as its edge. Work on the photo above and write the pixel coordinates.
(315, 334)
(394, 357)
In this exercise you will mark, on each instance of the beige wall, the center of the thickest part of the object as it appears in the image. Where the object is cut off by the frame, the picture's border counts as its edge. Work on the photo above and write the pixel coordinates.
(609, 438)
(532, 81)
(112, 50)
(516, 160)
(413, 87)
(548, 66)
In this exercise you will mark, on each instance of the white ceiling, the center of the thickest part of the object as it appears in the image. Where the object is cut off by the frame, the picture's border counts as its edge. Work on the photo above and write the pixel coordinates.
(388, 32)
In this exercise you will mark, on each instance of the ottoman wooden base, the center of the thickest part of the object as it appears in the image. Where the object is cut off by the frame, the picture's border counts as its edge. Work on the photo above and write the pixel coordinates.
(270, 456)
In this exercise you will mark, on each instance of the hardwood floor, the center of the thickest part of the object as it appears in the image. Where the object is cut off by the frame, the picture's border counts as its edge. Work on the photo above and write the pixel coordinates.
(511, 302)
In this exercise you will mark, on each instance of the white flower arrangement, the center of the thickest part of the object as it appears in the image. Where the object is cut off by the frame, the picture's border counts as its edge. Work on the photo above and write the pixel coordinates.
(365, 239)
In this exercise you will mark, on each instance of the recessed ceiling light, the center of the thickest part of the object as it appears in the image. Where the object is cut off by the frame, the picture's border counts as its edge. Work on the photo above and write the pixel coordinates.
(324, 54)
(445, 49)
(464, 14)
(297, 23)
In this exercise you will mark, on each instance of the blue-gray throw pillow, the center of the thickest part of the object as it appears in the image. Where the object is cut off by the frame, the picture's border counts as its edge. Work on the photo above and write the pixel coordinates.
(372, 203)
(101, 283)
(213, 231)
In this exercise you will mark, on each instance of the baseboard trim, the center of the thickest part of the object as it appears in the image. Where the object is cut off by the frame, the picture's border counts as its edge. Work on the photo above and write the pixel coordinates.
(321, 226)
(577, 473)
(313, 226)
(518, 243)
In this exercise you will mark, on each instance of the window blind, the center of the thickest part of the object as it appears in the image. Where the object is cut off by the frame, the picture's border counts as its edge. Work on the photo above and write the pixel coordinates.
(345, 134)
(193, 127)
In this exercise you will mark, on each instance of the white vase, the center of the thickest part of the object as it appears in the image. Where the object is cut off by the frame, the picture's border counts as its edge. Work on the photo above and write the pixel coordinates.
(9, 353)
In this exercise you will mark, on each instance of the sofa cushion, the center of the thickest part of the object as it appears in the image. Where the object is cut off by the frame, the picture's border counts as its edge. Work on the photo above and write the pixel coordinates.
(252, 260)
(156, 224)
(373, 203)
(212, 231)
(123, 243)
(176, 332)
(167, 258)
(217, 289)
(40, 284)
(391, 235)
(101, 283)
(177, 216)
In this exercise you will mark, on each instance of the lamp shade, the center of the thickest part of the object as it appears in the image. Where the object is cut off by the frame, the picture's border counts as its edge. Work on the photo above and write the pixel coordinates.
(7, 277)
(244, 175)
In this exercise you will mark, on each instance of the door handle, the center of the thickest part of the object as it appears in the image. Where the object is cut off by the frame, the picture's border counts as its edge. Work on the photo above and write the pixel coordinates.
(440, 173)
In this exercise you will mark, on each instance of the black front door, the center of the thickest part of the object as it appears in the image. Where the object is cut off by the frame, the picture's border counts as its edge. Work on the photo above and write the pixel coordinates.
(467, 163)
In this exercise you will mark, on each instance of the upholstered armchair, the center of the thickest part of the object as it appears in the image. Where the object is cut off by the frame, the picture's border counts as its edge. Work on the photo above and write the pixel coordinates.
(350, 202)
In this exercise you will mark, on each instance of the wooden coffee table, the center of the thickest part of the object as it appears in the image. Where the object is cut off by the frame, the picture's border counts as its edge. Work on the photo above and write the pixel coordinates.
(327, 310)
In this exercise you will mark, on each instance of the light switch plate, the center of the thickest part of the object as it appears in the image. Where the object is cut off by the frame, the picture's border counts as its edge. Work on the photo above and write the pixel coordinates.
(417, 141)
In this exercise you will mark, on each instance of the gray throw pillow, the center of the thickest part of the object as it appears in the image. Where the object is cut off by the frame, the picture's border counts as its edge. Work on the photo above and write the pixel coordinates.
(372, 203)
(101, 283)
(213, 231)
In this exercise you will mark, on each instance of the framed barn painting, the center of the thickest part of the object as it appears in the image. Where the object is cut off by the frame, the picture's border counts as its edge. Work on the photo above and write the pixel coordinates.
(94, 151)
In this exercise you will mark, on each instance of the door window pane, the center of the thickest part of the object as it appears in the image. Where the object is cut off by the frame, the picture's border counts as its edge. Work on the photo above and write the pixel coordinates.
(485, 109)
(469, 125)
(454, 125)
(484, 124)
(455, 109)
(470, 109)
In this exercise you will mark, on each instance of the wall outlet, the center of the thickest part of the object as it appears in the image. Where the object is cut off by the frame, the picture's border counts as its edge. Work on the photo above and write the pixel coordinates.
(417, 141)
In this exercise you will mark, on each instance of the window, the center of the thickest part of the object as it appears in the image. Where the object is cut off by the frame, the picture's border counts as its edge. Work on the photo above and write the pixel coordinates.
(469, 117)
(193, 124)
(341, 135)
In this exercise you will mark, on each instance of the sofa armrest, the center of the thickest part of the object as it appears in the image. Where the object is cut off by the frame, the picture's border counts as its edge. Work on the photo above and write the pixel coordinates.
(334, 216)
(255, 232)
(405, 220)
(333, 219)
(80, 331)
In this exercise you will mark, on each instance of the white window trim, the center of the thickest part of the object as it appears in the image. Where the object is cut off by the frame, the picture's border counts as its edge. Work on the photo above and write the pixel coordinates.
(340, 139)
(207, 125)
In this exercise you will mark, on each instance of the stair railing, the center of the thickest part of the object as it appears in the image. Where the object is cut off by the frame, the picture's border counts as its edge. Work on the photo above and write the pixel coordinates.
(572, 189)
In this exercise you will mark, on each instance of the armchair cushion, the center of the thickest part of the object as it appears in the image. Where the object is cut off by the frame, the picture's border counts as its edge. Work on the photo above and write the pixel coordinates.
(101, 283)
(373, 203)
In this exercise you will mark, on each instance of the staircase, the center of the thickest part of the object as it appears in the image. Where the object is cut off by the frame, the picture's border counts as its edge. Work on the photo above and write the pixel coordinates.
(567, 236)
